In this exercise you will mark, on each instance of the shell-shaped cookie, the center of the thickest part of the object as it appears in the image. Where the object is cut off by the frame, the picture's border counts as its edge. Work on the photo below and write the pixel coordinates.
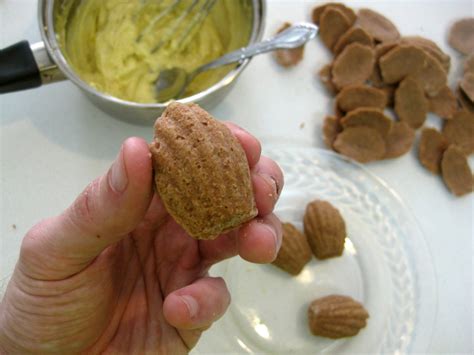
(325, 229)
(399, 140)
(411, 105)
(377, 25)
(294, 253)
(331, 128)
(288, 57)
(368, 117)
(201, 172)
(431, 149)
(361, 143)
(356, 96)
(444, 104)
(336, 316)
(332, 25)
(460, 131)
(347, 11)
(456, 172)
(353, 65)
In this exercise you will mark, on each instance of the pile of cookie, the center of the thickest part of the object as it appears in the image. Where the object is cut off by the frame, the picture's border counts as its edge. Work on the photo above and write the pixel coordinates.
(385, 85)
(333, 316)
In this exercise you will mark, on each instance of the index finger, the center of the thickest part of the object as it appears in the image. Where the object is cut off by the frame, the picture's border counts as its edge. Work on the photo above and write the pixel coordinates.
(249, 143)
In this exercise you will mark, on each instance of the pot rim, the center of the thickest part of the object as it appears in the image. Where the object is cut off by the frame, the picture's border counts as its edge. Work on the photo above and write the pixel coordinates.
(48, 34)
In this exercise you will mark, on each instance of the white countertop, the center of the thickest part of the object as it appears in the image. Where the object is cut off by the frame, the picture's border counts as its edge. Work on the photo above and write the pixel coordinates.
(53, 142)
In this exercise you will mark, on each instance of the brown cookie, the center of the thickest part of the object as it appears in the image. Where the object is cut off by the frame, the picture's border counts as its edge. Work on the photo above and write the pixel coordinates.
(380, 50)
(332, 25)
(368, 117)
(353, 66)
(201, 172)
(430, 47)
(410, 103)
(363, 144)
(353, 35)
(295, 252)
(467, 85)
(377, 25)
(288, 57)
(355, 96)
(399, 140)
(444, 104)
(401, 61)
(336, 317)
(325, 75)
(431, 148)
(331, 128)
(431, 76)
(347, 11)
(325, 229)
(456, 172)
(461, 35)
(464, 101)
(460, 131)
(469, 63)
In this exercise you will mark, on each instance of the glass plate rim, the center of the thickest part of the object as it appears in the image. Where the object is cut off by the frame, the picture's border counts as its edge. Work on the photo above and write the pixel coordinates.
(425, 273)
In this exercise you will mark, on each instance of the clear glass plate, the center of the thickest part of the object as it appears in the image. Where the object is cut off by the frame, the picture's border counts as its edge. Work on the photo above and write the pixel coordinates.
(386, 265)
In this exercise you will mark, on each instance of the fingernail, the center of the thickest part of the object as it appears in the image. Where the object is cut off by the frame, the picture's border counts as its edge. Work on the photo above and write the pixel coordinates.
(118, 174)
(275, 237)
(271, 181)
(191, 305)
(277, 187)
(237, 127)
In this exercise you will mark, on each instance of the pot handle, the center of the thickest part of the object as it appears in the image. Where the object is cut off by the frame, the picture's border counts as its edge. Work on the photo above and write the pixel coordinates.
(25, 67)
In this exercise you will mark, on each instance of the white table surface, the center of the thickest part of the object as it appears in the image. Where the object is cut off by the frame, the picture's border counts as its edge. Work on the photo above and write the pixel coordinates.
(53, 142)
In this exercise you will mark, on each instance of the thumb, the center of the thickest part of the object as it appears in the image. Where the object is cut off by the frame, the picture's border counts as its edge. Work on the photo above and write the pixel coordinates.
(107, 210)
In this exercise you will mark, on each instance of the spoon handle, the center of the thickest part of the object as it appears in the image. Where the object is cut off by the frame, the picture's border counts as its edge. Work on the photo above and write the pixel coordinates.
(292, 37)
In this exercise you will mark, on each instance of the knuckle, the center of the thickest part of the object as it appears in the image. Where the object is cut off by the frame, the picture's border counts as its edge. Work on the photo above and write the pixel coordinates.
(33, 238)
(81, 213)
(35, 248)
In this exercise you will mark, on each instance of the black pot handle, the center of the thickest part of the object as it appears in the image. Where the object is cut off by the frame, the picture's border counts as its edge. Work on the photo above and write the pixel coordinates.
(18, 68)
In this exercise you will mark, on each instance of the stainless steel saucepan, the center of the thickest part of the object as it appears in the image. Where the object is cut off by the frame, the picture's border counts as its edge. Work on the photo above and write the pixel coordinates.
(25, 66)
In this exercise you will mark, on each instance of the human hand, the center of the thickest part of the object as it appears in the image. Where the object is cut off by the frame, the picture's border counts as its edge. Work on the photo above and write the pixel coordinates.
(114, 273)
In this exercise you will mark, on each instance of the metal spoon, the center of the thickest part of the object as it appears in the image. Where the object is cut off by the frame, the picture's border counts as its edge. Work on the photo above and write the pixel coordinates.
(172, 83)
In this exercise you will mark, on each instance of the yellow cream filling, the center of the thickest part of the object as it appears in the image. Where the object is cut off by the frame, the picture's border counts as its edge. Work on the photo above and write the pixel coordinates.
(119, 47)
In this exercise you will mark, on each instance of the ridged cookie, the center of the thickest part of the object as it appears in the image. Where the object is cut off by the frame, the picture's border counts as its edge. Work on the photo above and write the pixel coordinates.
(294, 253)
(336, 316)
(201, 172)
